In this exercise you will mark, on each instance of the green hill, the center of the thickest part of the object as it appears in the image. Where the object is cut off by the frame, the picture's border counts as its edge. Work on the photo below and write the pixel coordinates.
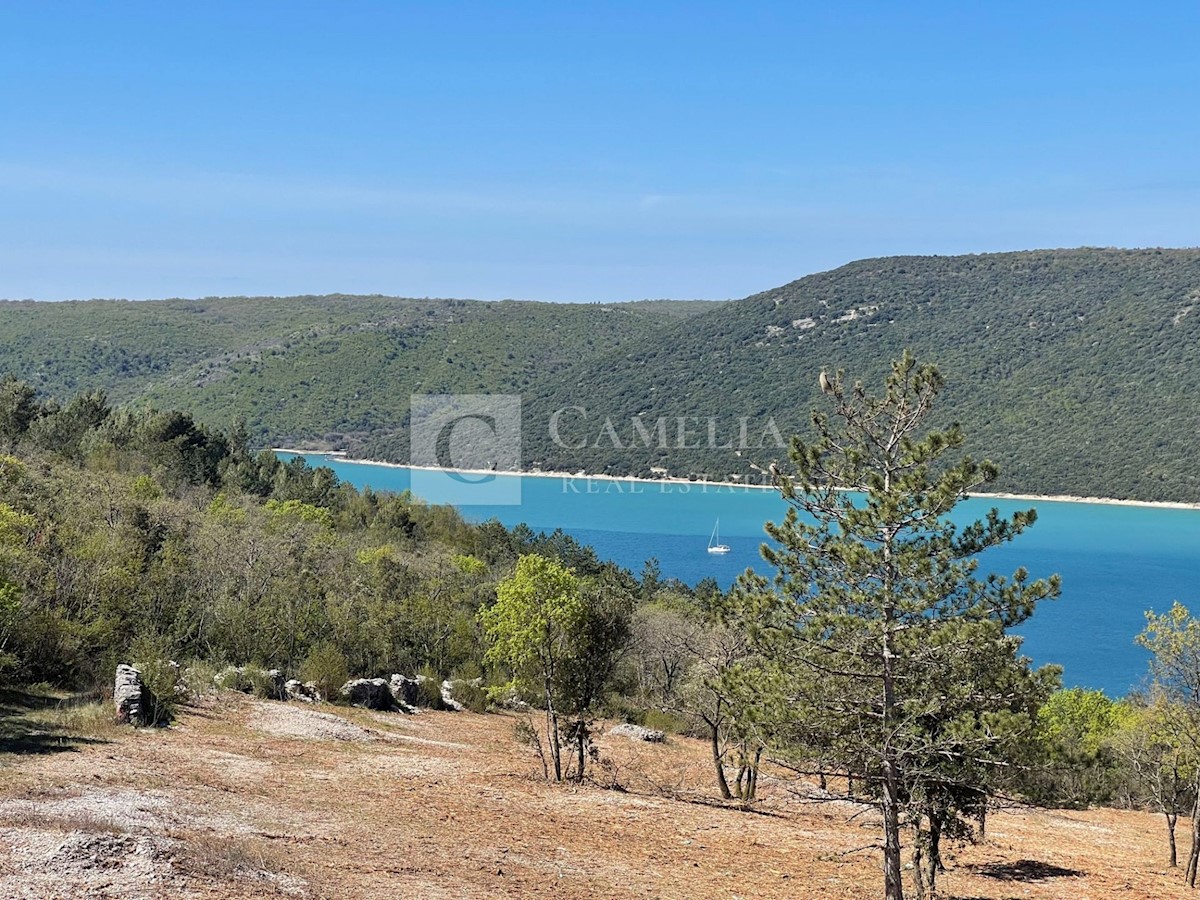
(322, 371)
(1077, 371)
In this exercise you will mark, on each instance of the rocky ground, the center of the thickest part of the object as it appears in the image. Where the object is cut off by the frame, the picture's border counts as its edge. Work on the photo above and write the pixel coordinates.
(248, 798)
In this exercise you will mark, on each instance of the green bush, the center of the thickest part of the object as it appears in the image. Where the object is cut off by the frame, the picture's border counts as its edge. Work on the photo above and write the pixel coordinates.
(197, 679)
(429, 688)
(669, 722)
(326, 667)
(471, 693)
(160, 676)
(231, 678)
(262, 685)
(248, 680)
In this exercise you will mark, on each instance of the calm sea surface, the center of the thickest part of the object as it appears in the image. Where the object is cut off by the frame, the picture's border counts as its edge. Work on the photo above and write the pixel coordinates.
(1115, 561)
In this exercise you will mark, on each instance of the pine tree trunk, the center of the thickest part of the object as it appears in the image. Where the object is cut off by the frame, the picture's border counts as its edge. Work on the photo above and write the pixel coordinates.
(935, 853)
(918, 868)
(753, 792)
(893, 885)
(1171, 819)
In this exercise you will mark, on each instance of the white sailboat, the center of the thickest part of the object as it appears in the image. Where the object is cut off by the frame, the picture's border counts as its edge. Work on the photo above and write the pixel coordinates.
(714, 541)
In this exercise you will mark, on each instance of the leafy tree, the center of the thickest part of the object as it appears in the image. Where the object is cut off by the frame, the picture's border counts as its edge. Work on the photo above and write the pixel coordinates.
(892, 648)
(559, 634)
(62, 430)
(600, 637)
(1174, 640)
(1075, 728)
(18, 410)
(1160, 766)
(530, 626)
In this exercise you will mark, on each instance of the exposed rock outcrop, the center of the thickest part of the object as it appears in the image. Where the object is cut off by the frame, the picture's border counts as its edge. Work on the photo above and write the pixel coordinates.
(638, 733)
(369, 693)
(305, 692)
(405, 690)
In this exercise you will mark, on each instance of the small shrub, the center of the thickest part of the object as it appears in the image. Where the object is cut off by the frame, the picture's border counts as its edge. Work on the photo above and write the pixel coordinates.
(471, 694)
(248, 680)
(669, 722)
(525, 734)
(224, 856)
(161, 676)
(326, 667)
(262, 685)
(231, 678)
(616, 706)
(197, 679)
(429, 688)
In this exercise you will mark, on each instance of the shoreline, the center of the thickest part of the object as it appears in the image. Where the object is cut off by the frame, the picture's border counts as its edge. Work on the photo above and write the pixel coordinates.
(340, 456)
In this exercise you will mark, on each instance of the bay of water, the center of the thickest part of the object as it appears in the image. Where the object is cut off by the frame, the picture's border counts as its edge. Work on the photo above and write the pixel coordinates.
(1115, 561)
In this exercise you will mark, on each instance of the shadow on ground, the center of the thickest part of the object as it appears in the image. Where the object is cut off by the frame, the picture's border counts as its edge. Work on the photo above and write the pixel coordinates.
(23, 734)
(1024, 870)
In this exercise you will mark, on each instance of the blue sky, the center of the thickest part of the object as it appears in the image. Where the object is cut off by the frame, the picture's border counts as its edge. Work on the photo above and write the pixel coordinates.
(577, 151)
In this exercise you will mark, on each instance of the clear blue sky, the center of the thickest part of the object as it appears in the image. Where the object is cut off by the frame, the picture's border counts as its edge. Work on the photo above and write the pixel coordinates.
(577, 151)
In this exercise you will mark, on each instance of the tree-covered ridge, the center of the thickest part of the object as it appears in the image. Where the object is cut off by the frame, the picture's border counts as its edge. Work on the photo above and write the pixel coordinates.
(300, 368)
(139, 534)
(1077, 371)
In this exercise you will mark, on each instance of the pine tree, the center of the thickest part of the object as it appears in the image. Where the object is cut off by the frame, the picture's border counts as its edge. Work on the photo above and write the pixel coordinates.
(896, 659)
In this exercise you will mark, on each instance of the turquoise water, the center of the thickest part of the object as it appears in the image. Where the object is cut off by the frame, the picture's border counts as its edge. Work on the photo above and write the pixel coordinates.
(1115, 561)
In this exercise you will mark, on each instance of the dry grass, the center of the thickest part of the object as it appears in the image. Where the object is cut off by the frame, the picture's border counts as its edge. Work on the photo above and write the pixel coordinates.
(223, 857)
(79, 720)
(451, 805)
(84, 822)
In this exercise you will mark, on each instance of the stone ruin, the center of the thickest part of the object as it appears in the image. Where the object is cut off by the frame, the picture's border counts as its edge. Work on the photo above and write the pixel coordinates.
(131, 697)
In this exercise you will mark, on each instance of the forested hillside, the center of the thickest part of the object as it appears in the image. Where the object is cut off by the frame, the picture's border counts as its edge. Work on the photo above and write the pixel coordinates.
(332, 370)
(140, 534)
(1078, 371)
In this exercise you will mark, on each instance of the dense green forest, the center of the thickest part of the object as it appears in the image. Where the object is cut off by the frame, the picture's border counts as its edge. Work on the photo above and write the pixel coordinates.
(329, 370)
(141, 532)
(1078, 371)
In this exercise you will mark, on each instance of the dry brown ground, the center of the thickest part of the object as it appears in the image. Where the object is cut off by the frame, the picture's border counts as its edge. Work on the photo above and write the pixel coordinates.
(254, 799)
